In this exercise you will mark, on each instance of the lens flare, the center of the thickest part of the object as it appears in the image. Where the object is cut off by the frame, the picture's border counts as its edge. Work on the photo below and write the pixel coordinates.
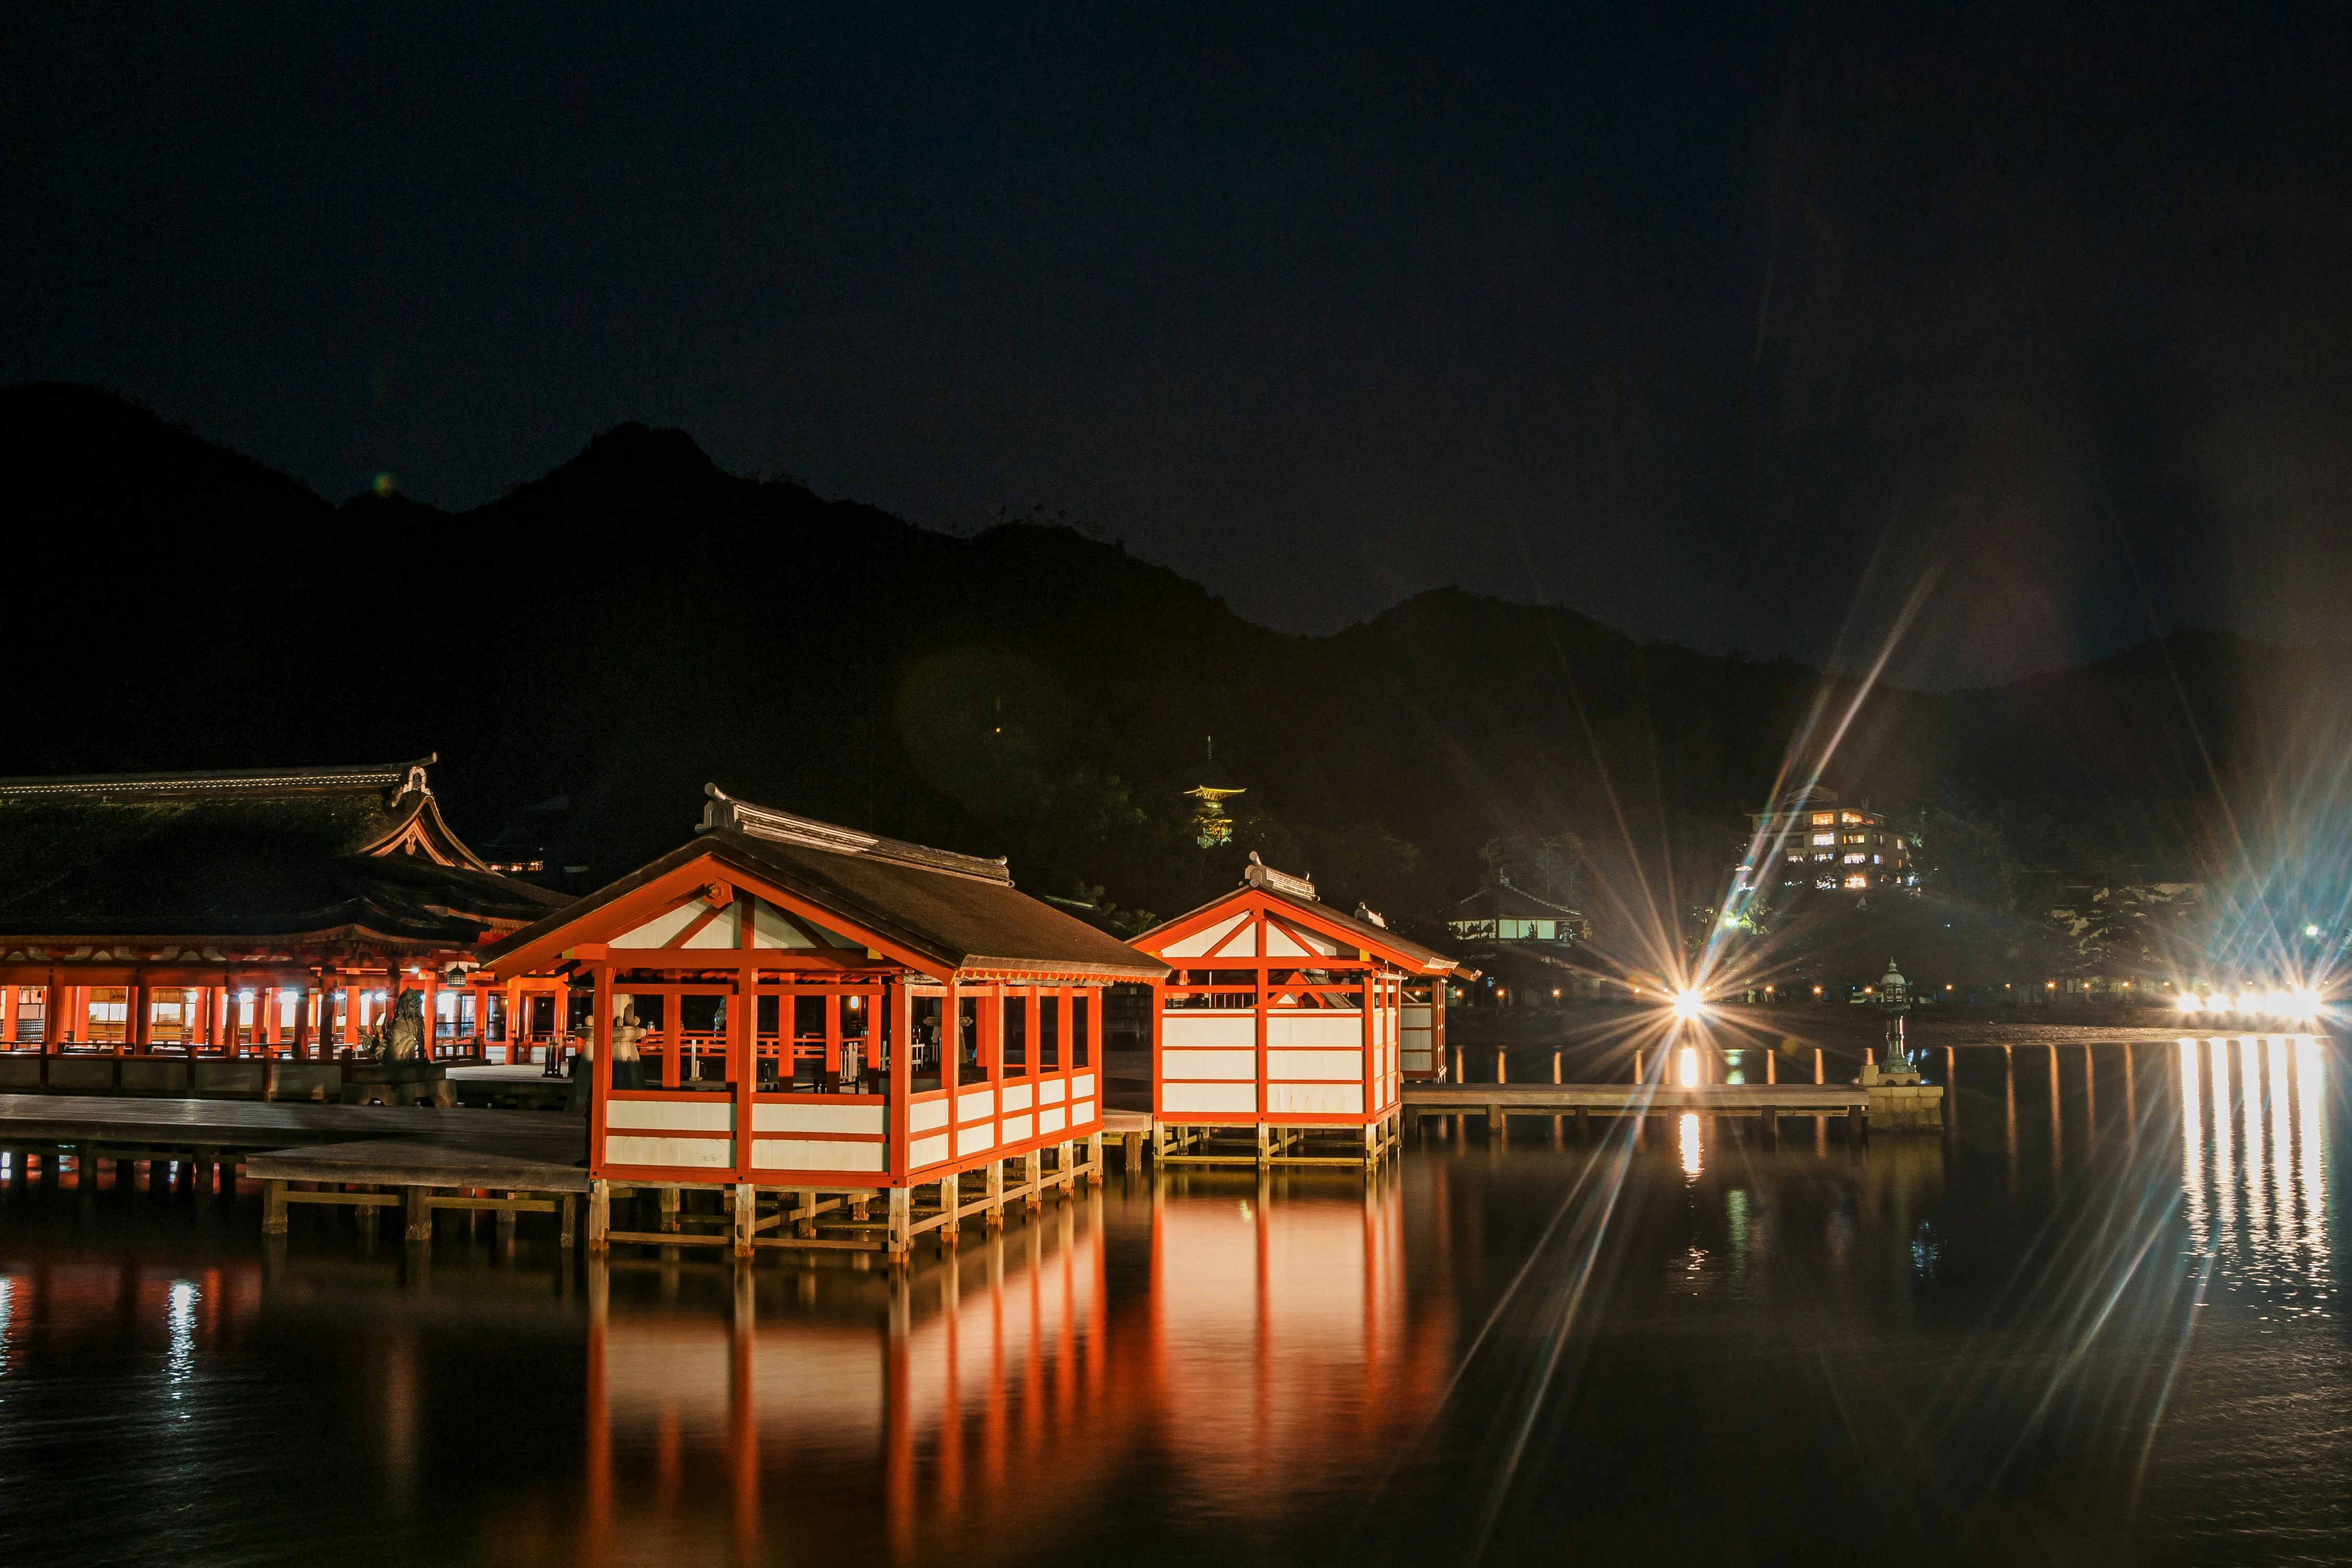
(2188, 1002)
(1688, 1003)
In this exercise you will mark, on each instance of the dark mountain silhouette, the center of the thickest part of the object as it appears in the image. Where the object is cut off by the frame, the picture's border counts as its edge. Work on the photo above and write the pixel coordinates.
(586, 650)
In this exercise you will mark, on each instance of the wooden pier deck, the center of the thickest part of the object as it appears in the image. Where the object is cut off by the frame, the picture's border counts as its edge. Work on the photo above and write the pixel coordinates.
(434, 1159)
(1768, 1102)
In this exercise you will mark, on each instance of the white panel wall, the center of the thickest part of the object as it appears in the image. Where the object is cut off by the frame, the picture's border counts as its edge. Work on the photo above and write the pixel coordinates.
(973, 1104)
(1343, 1066)
(1016, 1097)
(1050, 1091)
(1308, 1030)
(972, 1139)
(1208, 1031)
(1314, 1098)
(1208, 1064)
(1016, 1128)
(815, 1155)
(926, 1114)
(927, 1151)
(698, 1152)
(657, 931)
(1053, 1121)
(1208, 1096)
(1203, 941)
(803, 1118)
(1082, 1113)
(711, 1114)
(1082, 1083)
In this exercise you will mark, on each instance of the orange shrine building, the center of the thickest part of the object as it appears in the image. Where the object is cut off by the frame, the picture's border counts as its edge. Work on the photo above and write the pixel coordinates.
(799, 1030)
(1289, 1023)
(238, 932)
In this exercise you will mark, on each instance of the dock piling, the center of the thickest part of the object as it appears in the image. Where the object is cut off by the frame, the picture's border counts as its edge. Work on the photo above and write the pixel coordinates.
(599, 1217)
(747, 1207)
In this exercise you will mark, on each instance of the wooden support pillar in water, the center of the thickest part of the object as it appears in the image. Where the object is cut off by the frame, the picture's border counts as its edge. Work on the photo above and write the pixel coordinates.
(902, 1219)
(747, 1212)
(670, 1208)
(420, 1215)
(1817, 1068)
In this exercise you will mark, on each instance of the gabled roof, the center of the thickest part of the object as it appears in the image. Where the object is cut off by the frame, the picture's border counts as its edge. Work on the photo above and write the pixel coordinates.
(293, 853)
(1277, 891)
(955, 912)
(1507, 900)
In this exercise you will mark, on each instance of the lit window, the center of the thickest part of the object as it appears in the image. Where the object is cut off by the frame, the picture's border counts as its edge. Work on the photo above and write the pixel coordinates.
(1873, 859)
(1854, 858)
(1823, 818)
(1825, 837)
(1857, 881)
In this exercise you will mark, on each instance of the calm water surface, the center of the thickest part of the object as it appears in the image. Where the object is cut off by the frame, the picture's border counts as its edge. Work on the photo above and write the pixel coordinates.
(2096, 1321)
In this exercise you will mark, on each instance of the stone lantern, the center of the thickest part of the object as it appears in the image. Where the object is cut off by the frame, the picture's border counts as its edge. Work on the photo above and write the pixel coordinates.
(1893, 1002)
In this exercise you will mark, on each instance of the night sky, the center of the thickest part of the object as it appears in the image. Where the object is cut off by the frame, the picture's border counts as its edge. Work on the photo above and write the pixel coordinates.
(1726, 325)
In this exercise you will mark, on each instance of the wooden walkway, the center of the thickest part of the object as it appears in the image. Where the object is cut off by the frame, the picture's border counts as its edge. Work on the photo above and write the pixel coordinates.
(176, 1129)
(1767, 1103)
(435, 1157)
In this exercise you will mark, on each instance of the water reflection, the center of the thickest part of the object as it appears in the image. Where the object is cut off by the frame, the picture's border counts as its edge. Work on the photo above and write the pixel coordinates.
(1553, 1339)
(978, 1406)
(2252, 1137)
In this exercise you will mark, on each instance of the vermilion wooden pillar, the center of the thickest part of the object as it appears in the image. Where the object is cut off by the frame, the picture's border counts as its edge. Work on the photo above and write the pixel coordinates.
(136, 1007)
(53, 1015)
(901, 1000)
(302, 1024)
(432, 1014)
(743, 1018)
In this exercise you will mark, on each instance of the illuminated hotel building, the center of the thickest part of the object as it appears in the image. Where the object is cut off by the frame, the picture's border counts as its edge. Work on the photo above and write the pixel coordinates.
(1811, 839)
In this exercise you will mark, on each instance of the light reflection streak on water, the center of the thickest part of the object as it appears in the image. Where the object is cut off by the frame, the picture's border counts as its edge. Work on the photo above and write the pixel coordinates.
(2225, 1146)
(2310, 1094)
(7, 1312)
(1690, 1140)
(2273, 1145)
(2276, 1070)
(180, 1365)
(2192, 1150)
(2250, 1112)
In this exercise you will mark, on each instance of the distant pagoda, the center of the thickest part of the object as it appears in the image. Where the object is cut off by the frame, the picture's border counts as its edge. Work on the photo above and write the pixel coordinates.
(1212, 826)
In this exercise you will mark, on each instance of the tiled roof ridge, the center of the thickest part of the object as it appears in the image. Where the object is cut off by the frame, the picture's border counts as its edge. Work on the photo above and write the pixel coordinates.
(357, 775)
(723, 812)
